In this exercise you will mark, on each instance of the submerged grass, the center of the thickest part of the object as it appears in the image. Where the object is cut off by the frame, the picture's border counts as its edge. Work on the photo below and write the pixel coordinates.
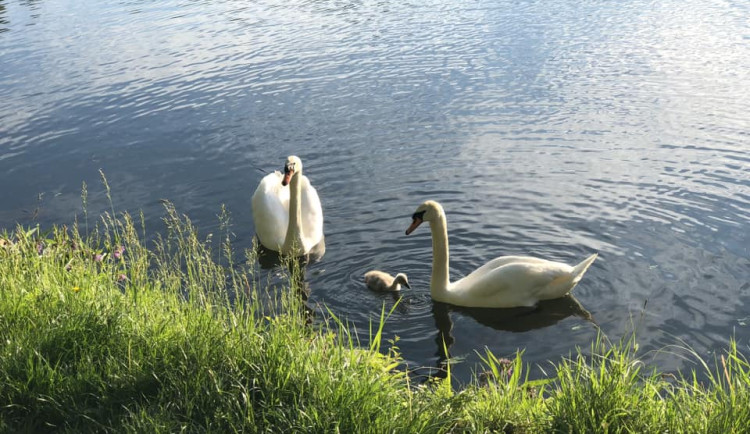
(100, 333)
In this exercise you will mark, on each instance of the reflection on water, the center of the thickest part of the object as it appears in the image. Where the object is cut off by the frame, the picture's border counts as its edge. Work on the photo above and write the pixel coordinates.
(517, 320)
(284, 274)
(514, 320)
(3, 21)
(551, 129)
(269, 259)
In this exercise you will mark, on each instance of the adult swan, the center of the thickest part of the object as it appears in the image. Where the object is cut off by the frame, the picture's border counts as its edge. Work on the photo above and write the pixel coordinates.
(507, 281)
(288, 220)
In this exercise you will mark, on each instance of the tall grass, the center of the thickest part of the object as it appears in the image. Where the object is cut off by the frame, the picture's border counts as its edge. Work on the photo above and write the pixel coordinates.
(100, 332)
(105, 334)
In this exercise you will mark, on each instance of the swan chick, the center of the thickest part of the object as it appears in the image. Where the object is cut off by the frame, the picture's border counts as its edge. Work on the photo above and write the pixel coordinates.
(381, 281)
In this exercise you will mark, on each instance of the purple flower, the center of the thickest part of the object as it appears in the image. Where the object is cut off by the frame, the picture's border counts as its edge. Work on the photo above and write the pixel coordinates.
(118, 252)
(121, 277)
(40, 248)
(98, 257)
(506, 365)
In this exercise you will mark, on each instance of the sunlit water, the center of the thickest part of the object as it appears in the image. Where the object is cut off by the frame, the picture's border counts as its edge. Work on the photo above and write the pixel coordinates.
(550, 128)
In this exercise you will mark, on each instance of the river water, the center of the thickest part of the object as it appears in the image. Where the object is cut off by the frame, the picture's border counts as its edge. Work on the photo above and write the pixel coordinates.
(550, 128)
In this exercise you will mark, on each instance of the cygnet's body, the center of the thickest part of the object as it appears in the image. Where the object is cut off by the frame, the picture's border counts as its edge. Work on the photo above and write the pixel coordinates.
(383, 282)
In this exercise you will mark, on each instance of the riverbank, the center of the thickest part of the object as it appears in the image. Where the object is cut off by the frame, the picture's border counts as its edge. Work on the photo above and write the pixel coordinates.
(105, 332)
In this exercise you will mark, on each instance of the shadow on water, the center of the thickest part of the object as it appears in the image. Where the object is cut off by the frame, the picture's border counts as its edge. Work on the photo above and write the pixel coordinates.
(515, 320)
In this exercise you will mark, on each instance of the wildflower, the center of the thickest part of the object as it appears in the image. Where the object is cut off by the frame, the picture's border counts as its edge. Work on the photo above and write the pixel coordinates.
(98, 257)
(76, 289)
(40, 248)
(122, 277)
(118, 252)
(506, 365)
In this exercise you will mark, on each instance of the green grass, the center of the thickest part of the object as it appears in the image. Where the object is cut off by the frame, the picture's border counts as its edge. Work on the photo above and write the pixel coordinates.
(104, 333)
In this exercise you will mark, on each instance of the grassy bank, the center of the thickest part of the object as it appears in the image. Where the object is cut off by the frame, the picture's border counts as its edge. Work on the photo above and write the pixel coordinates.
(105, 333)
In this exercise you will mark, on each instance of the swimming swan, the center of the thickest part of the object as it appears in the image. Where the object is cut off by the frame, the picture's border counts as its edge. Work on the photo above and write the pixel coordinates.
(507, 281)
(381, 281)
(288, 220)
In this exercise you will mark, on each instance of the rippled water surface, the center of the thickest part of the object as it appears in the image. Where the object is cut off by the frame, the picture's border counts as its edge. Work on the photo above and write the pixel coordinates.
(552, 128)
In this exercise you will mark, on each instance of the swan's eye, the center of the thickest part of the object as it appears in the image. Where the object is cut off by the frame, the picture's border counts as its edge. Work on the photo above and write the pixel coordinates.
(418, 215)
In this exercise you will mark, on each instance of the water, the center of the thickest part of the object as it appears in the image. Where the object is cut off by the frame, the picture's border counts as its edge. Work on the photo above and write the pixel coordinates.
(550, 128)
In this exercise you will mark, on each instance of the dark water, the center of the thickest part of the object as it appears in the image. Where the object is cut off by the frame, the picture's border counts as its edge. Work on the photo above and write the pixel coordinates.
(551, 128)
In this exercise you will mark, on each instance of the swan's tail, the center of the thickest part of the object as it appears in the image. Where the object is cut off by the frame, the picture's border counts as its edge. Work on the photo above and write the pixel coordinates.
(565, 283)
(580, 269)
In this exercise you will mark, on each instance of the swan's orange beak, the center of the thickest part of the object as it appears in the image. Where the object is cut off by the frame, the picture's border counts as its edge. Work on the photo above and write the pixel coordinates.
(287, 177)
(416, 221)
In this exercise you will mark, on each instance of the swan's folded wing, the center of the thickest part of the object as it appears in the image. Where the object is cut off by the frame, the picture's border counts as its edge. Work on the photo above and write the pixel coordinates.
(514, 283)
(270, 204)
(312, 214)
(505, 260)
(540, 281)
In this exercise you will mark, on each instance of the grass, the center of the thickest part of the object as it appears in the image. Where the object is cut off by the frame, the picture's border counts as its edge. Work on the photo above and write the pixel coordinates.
(102, 333)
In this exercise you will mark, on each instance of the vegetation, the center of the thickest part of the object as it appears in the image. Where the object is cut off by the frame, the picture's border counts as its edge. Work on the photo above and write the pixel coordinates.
(100, 333)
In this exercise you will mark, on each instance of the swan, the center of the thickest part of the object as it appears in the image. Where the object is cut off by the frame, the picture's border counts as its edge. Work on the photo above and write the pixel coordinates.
(288, 220)
(377, 280)
(507, 281)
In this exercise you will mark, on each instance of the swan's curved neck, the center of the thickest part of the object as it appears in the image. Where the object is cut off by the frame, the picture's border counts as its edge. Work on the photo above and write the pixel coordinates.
(440, 256)
(293, 240)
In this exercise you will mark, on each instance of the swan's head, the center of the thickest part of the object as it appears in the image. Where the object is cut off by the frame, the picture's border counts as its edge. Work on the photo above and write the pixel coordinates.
(401, 279)
(293, 166)
(426, 212)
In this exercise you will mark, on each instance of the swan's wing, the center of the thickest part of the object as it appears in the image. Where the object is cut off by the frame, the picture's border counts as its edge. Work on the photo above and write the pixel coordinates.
(521, 283)
(505, 260)
(312, 215)
(270, 205)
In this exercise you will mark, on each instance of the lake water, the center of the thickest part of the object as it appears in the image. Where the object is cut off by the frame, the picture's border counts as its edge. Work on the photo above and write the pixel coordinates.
(550, 128)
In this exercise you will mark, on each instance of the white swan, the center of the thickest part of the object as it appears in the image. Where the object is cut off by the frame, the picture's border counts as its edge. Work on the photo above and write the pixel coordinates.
(377, 280)
(507, 281)
(288, 220)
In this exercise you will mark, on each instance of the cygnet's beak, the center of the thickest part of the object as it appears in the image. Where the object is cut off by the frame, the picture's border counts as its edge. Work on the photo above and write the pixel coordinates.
(406, 284)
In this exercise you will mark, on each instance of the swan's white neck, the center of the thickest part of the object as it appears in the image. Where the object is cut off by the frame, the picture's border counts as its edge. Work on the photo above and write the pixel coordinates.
(293, 240)
(440, 253)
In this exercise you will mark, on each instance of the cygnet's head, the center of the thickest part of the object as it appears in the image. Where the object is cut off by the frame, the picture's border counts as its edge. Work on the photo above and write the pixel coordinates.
(293, 166)
(428, 211)
(401, 279)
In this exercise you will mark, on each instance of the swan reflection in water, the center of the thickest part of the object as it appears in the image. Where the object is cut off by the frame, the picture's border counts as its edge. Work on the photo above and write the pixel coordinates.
(269, 259)
(296, 268)
(515, 320)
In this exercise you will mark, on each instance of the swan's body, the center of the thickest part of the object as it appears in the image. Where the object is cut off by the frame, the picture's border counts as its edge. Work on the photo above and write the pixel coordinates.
(507, 281)
(381, 281)
(288, 218)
